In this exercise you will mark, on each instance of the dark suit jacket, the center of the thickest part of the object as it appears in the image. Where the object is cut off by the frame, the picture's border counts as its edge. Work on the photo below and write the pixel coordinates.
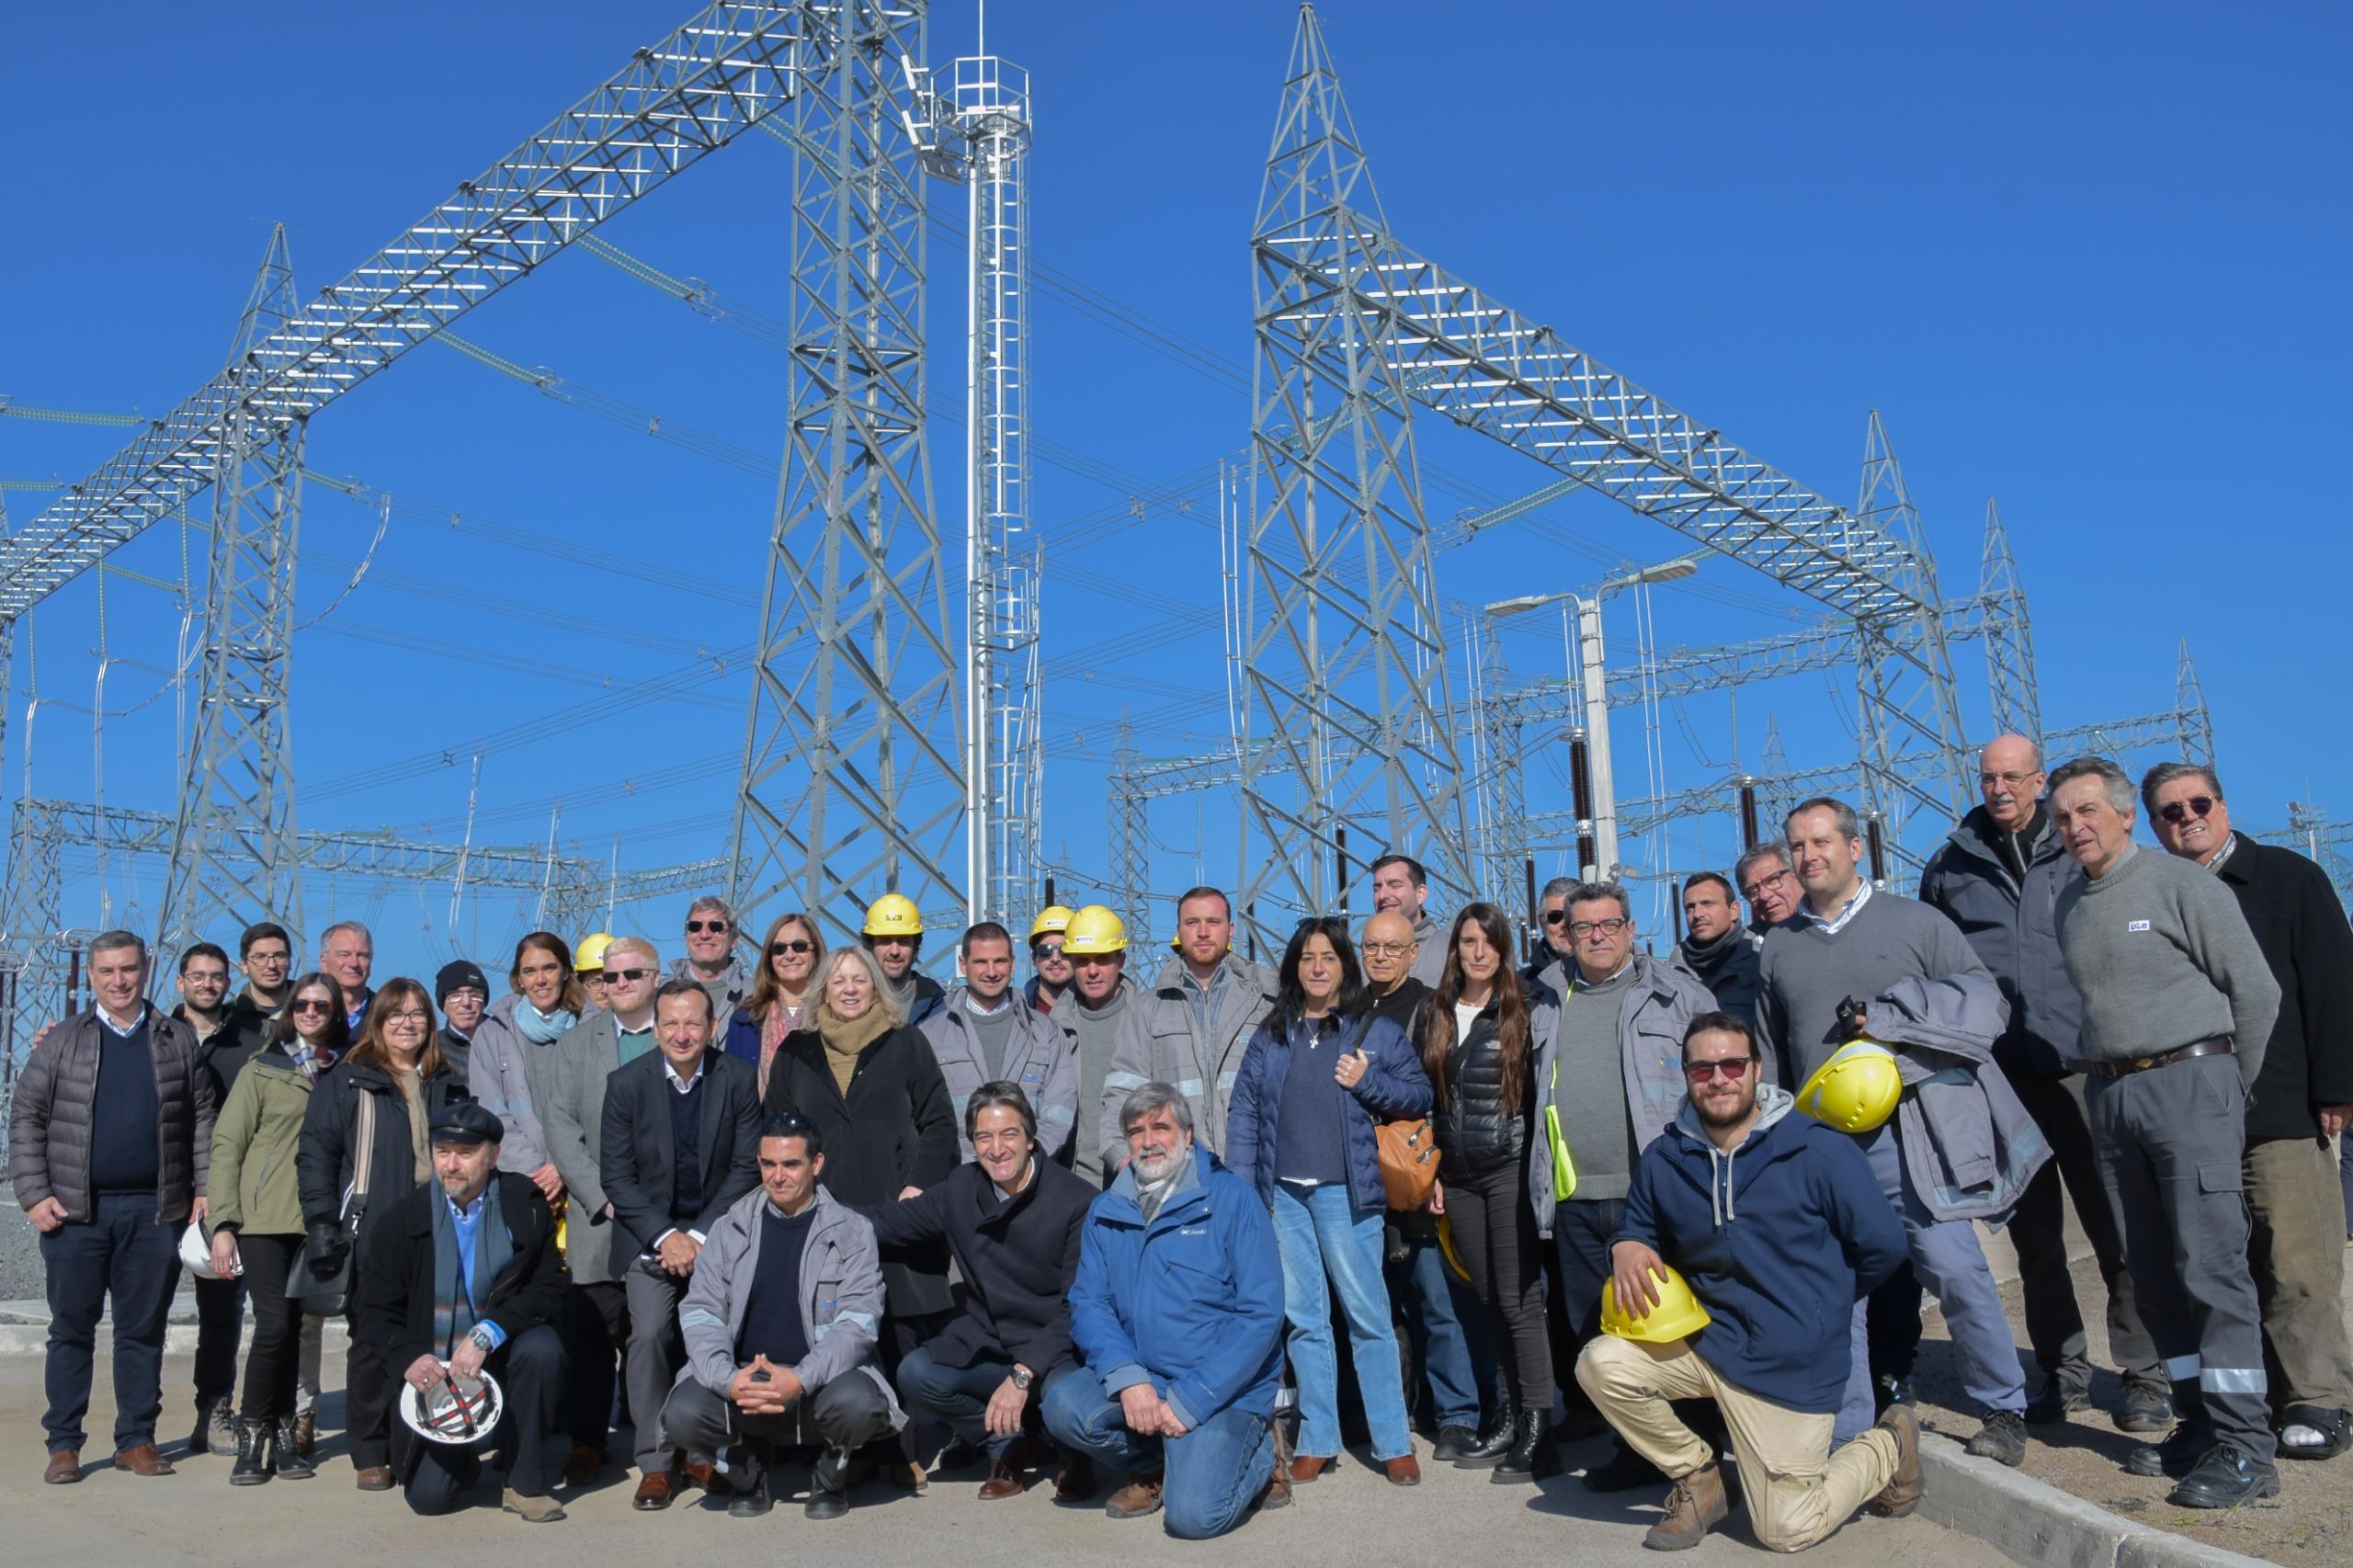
(637, 1156)
(394, 1307)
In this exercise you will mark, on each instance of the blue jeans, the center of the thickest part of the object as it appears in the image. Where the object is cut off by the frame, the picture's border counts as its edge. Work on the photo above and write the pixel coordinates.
(1210, 1477)
(1439, 1325)
(958, 1395)
(122, 1251)
(1326, 1243)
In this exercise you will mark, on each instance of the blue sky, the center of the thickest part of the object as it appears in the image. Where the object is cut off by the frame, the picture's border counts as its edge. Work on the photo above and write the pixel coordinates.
(2088, 260)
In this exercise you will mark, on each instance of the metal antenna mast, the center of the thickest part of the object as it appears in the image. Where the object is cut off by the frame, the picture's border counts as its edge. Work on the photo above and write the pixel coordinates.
(853, 777)
(1347, 665)
(239, 791)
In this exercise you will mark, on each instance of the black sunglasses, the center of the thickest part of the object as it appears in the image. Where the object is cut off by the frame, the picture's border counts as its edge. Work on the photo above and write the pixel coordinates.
(699, 926)
(1701, 1071)
(625, 976)
(798, 945)
(2177, 812)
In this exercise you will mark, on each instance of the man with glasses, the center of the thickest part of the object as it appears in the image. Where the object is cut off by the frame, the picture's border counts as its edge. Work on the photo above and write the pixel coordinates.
(266, 954)
(1777, 1226)
(1766, 882)
(1998, 878)
(596, 1323)
(347, 953)
(1553, 927)
(223, 1046)
(1720, 952)
(1851, 942)
(1608, 1029)
(711, 961)
(1049, 967)
(2302, 1100)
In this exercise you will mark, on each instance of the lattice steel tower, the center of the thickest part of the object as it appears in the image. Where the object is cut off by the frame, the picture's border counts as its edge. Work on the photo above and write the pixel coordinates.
(1347, 665)
(853, 777)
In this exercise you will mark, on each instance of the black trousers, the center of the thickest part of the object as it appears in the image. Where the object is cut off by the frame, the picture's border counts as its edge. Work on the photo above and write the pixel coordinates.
(848, 1413)
(272, 1366)
(595, 1340)
(1581, 1234)
(369, 1388)
(220, 1320)
(1494, 1231)
(530, 1369)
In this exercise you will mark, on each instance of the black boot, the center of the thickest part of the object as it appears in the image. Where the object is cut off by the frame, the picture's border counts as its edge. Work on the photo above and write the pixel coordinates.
(292, 1464)
(1532, 1456)
(252, 1452)
(1494, 1438)
(2191, 1436)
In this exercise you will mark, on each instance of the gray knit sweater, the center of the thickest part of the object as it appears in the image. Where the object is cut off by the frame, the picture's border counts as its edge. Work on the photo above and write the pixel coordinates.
(2164, 959)
(1805, 972)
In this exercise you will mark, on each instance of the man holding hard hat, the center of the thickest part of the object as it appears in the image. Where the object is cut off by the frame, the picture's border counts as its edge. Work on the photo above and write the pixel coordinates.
(1776, 1227)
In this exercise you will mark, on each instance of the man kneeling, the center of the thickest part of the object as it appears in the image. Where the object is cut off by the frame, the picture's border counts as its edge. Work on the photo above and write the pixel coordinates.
(464, 1278)
(1178, 1309)
(1778, 1227)
(778, 1324)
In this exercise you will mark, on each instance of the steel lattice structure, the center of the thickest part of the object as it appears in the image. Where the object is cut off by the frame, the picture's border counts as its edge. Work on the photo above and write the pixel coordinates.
(853, 777)
(1346, 667)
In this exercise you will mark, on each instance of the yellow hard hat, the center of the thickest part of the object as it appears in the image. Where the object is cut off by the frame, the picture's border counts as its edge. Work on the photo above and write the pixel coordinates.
(1052, 920)
(1855, 1090)
(1678, 1315)
(589, 955)
(1093, 932)
(893, 915)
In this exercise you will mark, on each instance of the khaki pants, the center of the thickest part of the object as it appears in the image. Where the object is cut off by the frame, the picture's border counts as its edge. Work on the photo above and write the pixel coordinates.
(1798, 1491)
(2297, 1213)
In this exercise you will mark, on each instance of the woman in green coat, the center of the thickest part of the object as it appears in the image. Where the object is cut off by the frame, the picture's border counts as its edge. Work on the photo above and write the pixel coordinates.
(257, 1212)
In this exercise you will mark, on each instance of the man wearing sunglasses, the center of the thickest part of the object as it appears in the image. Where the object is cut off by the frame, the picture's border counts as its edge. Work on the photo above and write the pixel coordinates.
(1553, 927)
(1998, 878)
(1778, 1226)
(2302, 1099)
(711, 961)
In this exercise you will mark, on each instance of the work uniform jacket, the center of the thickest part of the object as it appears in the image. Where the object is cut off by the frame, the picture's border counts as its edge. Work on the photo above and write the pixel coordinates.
(1039, 1056)
(1160, 1042)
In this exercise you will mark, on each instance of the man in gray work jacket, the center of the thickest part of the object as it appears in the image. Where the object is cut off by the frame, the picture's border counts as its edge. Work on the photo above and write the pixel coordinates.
(2179, 1005)
(985, 1030)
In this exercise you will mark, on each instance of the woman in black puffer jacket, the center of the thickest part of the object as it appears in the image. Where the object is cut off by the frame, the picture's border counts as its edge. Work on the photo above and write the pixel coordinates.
(1477, 1050)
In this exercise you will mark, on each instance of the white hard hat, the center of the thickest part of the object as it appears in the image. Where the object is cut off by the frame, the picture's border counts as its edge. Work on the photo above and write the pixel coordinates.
(455, 1410)
(196, 1251)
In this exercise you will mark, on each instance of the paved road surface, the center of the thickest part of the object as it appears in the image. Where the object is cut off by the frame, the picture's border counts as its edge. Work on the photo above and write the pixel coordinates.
(117, 1520)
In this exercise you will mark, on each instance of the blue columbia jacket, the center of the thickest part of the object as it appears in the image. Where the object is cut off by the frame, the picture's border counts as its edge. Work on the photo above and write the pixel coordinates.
(1191, 1303)
(1778, 1239)
(1393, 1086)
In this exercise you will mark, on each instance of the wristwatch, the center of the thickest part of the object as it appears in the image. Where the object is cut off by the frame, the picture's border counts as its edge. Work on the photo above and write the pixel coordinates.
(1022, 1379)
(481, 1335)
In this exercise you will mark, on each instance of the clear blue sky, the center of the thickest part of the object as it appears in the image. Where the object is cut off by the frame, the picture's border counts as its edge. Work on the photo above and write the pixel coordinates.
(2087, 260)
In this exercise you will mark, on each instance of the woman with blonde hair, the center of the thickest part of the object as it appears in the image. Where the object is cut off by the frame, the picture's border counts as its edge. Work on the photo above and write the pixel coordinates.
(790, 960)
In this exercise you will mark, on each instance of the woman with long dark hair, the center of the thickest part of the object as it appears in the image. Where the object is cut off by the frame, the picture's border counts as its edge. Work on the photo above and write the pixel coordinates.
(513, 1046)
(1322, 1071)
(397, 1064)
(779, 1002)
(1478, 1048)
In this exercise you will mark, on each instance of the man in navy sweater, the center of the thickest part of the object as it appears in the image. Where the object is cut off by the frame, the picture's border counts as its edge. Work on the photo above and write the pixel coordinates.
(1778, 1227)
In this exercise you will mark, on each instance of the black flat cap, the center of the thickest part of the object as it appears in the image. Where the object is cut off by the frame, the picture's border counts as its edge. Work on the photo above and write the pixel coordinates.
(467, 1122)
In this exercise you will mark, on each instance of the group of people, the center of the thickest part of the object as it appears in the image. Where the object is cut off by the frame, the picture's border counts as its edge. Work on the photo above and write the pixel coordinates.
(1116, 1225)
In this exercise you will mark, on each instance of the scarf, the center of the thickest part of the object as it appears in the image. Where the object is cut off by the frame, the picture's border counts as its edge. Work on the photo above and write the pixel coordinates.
(541, 1029)
(308, 1059)
(454, 1316)
(1707, 957)
(781, 1021)
(420, 1137)
(845, 1037)
(1150, 1195)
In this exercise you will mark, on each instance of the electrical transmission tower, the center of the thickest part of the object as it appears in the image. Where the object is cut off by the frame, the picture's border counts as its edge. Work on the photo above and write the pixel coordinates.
(2009, 636)
(853, 780)
(233, 857)
(1347, 665)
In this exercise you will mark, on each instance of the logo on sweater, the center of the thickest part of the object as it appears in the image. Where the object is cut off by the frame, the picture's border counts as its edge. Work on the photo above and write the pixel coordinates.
(2136, 925)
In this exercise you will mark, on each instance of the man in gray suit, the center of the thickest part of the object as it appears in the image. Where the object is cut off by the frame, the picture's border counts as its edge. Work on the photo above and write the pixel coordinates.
(681, 1135)
(596, 1323)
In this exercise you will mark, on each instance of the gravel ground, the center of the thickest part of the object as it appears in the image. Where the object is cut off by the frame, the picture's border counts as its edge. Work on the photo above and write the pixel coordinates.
(2309, 1525)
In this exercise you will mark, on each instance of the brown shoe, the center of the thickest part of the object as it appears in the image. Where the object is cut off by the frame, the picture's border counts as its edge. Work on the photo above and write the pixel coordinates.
(1278, 1491)
(1004, 1482)
(142, 1461)
(535, 1510)
(1306, 1468)
(1403, 1471)
(654, 1493)
(700, 1474)
(1901, 1492)
(1140, 1496)
(906, 1475)
(582, 1466)
(306, 1434)
(374, 1478)
(1074, 1478)
(1694, 1503)
(64, 1467)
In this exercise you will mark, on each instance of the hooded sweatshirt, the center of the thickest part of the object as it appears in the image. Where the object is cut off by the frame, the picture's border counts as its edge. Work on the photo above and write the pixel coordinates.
(1778, 1238)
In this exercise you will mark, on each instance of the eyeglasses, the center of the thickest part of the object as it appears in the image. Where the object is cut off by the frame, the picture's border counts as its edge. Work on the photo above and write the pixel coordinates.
(420, 1019)
(1734, 1070)
(1609, 928)
(625, 976)
(1388, 949)
(2177, 812)
(1756, 890)
(698, 927)
(306, 1005)
(1554, 917)
(798, 945)
(2011, 781)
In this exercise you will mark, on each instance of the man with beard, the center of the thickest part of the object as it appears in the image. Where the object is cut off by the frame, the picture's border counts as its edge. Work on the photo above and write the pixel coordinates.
(1777, 1226)
(894, 934)
(1720, 953)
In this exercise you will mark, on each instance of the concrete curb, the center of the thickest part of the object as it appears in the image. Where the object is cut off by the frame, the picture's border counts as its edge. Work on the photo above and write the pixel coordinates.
(2034, 1523)
(24, 1330)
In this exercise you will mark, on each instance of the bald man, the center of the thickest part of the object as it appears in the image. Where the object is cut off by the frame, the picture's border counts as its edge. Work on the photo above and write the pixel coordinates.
(1998, 878)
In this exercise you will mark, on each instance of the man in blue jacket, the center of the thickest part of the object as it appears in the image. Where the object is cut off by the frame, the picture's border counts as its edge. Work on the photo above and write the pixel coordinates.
(1177, 1311)
(1778, 1227)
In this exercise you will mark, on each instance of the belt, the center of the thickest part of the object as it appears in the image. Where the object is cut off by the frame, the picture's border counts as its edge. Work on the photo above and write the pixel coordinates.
(2167, 1059)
